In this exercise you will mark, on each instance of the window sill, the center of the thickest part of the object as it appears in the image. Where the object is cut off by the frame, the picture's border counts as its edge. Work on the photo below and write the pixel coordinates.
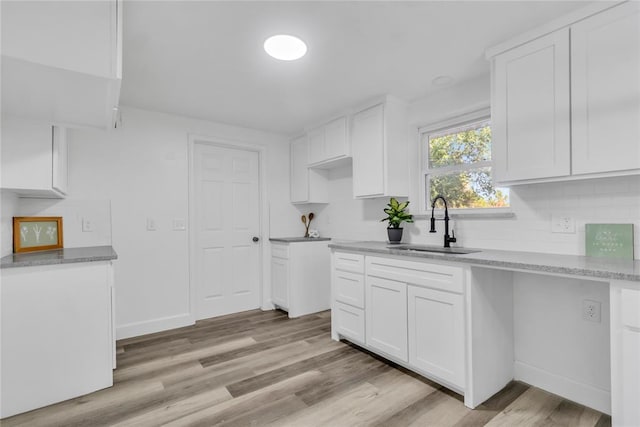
(472, 215)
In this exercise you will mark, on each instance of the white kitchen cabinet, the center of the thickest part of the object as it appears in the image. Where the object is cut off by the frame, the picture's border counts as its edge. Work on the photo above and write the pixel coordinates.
(386, 316)
(605, 91)
(329, 143)
(57, 336)
(566, 104)
(348, 297)
(301, 276)
(530, 110)
(34, 158)
(436, 333)
(280, 282)
(62, 61)
(348, 322)
(379, 146)
(625, 353)
(306, 185)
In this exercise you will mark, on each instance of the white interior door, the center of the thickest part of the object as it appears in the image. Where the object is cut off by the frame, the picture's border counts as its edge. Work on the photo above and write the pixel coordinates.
(227, 218)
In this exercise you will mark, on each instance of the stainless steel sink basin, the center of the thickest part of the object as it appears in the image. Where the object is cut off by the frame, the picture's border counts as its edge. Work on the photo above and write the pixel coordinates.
(435, 249)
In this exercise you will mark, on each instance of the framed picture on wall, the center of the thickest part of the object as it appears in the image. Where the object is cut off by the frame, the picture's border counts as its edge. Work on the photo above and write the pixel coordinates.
(35, 233)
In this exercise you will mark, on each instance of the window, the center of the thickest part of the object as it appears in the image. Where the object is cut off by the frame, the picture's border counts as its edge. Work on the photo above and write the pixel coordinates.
(457, 166)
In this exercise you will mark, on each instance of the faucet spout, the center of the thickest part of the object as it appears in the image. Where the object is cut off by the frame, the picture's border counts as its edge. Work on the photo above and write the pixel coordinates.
(447, 239)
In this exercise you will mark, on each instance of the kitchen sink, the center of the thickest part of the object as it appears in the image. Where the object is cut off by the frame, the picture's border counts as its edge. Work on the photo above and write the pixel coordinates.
(436, 249)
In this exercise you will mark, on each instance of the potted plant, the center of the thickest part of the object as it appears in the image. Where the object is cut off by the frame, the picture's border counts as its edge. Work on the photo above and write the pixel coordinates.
(396, 215)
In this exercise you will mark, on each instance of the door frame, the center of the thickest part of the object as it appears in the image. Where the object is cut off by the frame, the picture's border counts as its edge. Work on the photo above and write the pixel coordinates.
(263, 219)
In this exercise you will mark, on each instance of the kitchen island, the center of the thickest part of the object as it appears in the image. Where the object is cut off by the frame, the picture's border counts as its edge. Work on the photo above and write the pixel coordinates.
(474, 322)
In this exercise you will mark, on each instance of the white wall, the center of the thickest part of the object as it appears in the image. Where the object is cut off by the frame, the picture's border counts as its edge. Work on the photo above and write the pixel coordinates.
(142, 168)
(8, 205)
(554, 347)
(73, 212)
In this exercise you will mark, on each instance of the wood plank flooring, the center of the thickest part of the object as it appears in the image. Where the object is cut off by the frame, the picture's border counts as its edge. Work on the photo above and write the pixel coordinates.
(261, 368)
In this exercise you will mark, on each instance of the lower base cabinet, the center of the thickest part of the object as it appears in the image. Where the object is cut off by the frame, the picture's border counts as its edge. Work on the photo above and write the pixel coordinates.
(409, 312)
(625, 360)
(348, 322)
(57, 334)
(436, 333)
(386, 314)
(300, 276)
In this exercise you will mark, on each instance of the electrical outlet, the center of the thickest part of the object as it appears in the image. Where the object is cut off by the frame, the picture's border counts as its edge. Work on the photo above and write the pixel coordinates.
(562, 224)
(179, 224)
(87, 225)
(591, 310)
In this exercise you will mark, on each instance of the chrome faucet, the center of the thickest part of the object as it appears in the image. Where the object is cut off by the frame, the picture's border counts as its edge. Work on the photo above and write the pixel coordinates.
(447, 239)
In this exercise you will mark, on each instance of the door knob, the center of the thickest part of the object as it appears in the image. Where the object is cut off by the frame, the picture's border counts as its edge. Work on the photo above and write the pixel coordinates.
(256, 239)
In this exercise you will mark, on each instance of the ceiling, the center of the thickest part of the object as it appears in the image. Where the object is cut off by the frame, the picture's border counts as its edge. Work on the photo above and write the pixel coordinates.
(204, 59)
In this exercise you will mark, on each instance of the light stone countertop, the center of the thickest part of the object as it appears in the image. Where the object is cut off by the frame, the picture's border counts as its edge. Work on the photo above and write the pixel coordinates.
(574, 265)
(59, 256)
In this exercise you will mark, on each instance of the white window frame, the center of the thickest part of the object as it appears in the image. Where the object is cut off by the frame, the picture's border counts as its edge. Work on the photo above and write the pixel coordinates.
(450, 124)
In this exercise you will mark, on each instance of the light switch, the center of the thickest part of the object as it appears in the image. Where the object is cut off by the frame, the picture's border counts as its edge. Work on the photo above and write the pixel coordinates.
(179, 224)
(87, 225)
(151, 224)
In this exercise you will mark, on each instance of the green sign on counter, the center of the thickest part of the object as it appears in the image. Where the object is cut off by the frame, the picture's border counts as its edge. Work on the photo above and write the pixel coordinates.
(609, 240)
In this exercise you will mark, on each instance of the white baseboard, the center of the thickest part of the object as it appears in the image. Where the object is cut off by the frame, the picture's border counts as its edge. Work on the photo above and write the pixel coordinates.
(581, 393)
(154, 325)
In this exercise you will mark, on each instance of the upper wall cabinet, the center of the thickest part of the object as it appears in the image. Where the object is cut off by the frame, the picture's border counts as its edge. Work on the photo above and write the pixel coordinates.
(605, 91)
(307, 185)
(62, 61)
(34, 158)
(379, 148)
(530, 110)
(329, 143)
(566, 105)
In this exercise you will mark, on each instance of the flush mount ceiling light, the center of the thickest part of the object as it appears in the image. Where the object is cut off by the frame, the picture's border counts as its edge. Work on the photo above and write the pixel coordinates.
(285, 47)
(442, 81)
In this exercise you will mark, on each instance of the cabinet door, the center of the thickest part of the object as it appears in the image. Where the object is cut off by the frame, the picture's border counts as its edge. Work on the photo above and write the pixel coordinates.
(605, 91)
(316, 145)
(367, 146)
(60, 159)
(27, 158)
(530, 110)
(629, 372)
(386, 316)
(299, 184)
(280, 282)
(436, 333)
(336, 143)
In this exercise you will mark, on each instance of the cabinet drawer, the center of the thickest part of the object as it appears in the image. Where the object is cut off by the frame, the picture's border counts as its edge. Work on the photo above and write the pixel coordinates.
(280, 251)
(436, 276)
(349, 262)
(349, 288)
(349, 321)
(630, 307)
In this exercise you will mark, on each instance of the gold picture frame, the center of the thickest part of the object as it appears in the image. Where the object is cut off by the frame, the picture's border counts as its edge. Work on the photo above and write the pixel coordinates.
(36, 233)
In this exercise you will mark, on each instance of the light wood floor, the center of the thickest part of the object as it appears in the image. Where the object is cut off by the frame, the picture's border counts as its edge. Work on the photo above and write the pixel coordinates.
(261, 368)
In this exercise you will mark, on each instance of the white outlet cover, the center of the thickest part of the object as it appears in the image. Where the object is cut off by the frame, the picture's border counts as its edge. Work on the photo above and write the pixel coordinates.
(563, 224)
(591, 310)
(151, 224)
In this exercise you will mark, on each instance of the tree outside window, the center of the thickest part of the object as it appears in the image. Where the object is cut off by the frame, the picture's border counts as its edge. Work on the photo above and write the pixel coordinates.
(459, 167)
